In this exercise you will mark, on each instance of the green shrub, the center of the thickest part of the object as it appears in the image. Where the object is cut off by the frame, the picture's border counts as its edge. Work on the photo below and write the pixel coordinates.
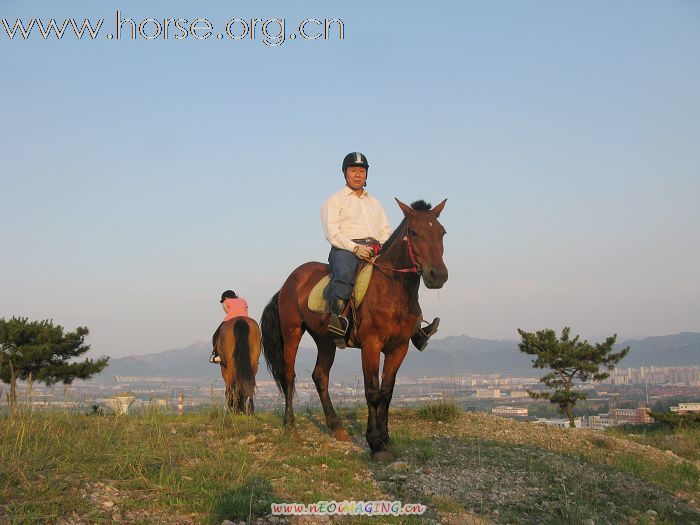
(440, 411)
(677, 421)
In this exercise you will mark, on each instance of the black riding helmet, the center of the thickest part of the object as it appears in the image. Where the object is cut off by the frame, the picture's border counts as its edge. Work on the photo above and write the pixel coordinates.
(355, 159)
(228, 294)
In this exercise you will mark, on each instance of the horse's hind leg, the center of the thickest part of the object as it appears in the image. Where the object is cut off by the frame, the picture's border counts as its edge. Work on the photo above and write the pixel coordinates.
(244, 404)
(320, 375)
(224, 348)
(240, 402)
(292, 337)
(229, 397)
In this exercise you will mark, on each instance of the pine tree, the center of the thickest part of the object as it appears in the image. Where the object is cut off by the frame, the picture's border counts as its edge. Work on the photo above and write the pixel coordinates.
(42, 351)
(569, 360)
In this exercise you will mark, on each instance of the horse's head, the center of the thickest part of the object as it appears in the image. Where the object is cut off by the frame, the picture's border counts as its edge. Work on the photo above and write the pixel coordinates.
(425, 234)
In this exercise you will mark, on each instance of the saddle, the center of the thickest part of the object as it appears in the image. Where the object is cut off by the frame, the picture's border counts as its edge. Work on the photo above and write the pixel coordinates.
(318, 301)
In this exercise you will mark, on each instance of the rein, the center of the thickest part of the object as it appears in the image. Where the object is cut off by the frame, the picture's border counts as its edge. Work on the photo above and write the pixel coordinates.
(414, 269)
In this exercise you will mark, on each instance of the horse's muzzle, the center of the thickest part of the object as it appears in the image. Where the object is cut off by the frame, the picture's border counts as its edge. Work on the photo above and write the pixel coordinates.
(435, 278)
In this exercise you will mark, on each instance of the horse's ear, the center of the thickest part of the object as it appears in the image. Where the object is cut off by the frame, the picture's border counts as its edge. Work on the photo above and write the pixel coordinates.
(407, 210)
(438, 209)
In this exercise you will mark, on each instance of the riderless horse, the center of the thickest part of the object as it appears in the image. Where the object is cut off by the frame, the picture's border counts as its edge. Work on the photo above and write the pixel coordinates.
(384, 321)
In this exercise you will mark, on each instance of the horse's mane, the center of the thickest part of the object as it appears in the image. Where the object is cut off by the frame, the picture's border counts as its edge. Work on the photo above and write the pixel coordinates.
(419, 205)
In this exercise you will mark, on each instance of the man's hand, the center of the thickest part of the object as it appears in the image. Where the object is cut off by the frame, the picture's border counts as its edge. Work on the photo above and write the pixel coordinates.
(363, 252)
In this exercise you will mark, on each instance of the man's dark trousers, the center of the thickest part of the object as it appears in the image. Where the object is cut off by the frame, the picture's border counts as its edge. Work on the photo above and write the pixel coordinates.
(343, 270)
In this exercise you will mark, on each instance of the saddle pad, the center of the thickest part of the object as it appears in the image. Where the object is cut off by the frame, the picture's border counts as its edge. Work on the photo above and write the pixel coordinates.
(317, 299)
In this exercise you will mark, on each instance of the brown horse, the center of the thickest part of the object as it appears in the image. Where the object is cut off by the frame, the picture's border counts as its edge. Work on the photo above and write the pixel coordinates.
(386, 319)
(238, 345)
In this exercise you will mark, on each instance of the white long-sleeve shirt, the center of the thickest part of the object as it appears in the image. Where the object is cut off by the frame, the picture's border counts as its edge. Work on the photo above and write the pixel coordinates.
(345, 216)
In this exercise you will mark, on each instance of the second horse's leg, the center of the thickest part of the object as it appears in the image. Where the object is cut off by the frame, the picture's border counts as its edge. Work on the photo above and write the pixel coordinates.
(227, 372)
(324, 362)
(229, 397)
(240, 402)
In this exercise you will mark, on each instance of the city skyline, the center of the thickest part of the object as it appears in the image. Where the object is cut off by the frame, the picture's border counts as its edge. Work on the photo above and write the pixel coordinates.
(142, 178)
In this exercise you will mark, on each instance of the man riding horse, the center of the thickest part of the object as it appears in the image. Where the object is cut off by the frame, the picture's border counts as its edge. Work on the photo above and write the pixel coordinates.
(383, 323)
(356, 226)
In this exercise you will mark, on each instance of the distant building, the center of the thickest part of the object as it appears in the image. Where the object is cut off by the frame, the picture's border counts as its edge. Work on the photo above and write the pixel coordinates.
(121, 403)
(519, 393)
(560, 423)
(630, 416)
(486, 393)
(679, 375)
(685, 408)
(509, 411)
(618, 416)
(597, 422)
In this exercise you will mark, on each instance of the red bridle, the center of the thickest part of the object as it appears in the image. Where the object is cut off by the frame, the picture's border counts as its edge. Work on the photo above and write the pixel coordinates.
(414, 269)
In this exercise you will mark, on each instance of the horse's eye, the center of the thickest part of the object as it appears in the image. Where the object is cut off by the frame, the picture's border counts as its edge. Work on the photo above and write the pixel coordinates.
(412, 233)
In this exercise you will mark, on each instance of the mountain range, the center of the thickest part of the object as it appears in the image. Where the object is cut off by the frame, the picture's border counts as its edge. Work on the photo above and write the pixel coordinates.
(449, 356)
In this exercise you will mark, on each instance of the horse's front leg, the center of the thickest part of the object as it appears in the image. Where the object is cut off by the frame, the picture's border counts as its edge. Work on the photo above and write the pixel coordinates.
(392, 362)
(370, 370)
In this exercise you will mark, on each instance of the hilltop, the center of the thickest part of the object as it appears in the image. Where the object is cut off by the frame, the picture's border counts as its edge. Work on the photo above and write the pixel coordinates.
(209, 466)
(445, 357)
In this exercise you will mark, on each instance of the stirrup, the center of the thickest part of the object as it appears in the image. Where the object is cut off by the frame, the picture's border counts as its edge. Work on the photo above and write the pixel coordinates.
(420, 338)
(338, 325)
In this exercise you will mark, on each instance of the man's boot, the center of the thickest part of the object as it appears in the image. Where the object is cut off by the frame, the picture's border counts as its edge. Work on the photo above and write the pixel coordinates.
(421, 335)
(337, 324)
(214, 358)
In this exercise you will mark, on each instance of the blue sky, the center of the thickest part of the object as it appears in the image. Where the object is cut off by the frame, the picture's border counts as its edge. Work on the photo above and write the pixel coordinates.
(140, 179)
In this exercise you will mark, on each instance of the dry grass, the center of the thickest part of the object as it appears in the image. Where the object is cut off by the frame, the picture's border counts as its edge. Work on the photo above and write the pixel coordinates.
(204, 467)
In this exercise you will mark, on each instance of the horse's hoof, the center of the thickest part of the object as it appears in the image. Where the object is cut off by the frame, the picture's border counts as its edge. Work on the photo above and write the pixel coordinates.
(342, 435)
(383, 456)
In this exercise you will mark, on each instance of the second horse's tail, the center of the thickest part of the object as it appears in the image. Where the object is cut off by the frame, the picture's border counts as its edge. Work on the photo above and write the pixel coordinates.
(272, 342)
(245, 379)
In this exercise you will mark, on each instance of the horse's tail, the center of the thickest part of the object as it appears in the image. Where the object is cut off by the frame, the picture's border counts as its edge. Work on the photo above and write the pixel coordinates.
(245, 379)
(272, 342)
